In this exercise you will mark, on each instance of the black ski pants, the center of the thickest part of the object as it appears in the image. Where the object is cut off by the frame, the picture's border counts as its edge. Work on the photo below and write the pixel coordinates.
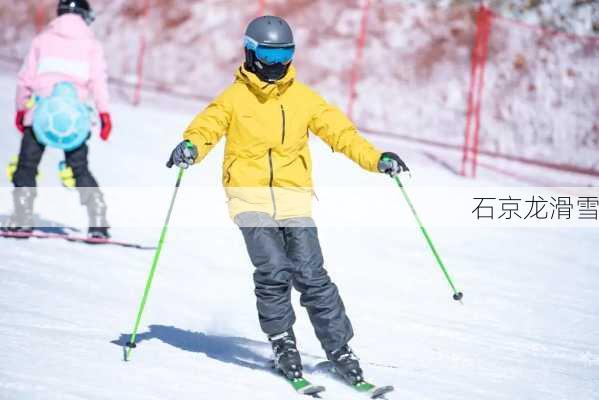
(30, 156)
(286, 254)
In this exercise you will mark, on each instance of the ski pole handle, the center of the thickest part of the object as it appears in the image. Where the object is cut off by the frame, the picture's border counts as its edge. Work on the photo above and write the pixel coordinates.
(185, 153)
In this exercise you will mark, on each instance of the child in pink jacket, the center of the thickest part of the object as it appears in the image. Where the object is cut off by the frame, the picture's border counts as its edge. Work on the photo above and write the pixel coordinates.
(66, 50)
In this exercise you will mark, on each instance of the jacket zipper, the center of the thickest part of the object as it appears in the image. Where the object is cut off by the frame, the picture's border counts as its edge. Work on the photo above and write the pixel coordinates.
(272, 177)
(283, 132)
(272, 191)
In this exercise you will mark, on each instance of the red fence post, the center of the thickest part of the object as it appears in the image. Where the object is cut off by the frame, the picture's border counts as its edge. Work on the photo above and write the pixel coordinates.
(475, 91)
(487, 17)
(261, 7)
(40, 15)
(355, 72)
(142, 54)
(473, 67)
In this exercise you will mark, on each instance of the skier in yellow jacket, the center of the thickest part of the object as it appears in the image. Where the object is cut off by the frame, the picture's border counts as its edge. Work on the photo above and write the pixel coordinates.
(266, 116)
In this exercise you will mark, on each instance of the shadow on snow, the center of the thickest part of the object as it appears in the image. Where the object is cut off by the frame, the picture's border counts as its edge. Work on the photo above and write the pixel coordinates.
(227, 349)
(239, 351)
(45, 225)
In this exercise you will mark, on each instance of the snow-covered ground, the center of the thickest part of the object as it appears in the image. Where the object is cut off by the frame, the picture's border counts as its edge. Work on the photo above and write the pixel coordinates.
(528, 329)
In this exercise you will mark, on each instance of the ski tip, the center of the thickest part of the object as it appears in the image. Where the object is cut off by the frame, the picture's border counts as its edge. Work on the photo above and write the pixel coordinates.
(313, 390)
(303, 386)
(375, 392)
(379, 392)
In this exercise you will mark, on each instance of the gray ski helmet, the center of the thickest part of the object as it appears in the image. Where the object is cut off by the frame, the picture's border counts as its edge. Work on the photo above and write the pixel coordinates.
(79, 7)
(269, 47)
(271, 31)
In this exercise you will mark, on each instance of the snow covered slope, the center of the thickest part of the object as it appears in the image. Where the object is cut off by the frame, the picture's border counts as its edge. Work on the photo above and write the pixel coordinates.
(529, 328)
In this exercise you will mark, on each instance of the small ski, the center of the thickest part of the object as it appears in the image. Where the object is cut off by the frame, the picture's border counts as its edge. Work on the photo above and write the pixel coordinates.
(375, 392)
(303, 386)
(77, 239)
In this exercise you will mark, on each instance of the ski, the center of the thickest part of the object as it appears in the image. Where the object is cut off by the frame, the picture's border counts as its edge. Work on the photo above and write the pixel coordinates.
(369, 389)
(71, 238)
(373, 391)
(303, 386)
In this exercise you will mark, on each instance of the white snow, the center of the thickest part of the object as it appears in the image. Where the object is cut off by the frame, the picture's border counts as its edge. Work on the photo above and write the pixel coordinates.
(528, 329)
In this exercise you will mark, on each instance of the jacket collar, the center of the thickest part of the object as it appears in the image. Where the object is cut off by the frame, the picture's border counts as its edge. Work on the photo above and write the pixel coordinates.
(263, 89)
(71, 26)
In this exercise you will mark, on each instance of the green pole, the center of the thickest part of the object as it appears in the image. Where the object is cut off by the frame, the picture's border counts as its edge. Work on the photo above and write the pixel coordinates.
(130, 345)
(456, 295)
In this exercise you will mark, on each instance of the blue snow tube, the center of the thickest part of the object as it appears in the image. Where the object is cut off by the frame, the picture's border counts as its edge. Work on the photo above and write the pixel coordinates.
(61, 120)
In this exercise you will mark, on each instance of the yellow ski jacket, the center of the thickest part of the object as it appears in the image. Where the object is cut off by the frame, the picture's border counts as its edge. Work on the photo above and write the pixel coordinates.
(267, 165)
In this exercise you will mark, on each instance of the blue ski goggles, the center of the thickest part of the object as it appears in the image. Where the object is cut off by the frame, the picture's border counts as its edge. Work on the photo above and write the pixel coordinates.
(271, 54)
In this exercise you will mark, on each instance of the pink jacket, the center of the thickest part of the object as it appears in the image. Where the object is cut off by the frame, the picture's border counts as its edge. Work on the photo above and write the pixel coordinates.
(66, 50)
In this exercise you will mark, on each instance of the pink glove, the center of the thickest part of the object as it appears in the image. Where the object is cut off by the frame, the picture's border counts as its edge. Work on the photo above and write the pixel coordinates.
(106, 126)
(19, 121)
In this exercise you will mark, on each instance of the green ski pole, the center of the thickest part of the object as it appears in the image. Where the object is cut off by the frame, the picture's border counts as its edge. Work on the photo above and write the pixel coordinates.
(457, 296)
(130, 345)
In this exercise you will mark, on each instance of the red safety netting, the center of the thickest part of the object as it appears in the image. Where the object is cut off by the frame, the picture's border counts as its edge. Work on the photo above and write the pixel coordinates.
(461, 78)
(414, 73)
(325, 32)
(540, 100)
(180, 47)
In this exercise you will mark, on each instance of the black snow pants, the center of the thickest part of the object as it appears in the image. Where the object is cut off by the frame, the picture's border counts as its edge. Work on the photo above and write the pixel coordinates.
(286, 254)
(30, 156)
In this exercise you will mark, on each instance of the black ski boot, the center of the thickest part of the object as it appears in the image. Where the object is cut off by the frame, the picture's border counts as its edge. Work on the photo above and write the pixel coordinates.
(21, 221)
(346, 364)
(287, 358)
(98, 232)
(93, 199)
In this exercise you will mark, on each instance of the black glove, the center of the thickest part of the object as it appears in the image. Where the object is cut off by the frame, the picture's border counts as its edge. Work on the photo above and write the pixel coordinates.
(391, 164)
(183, 155)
